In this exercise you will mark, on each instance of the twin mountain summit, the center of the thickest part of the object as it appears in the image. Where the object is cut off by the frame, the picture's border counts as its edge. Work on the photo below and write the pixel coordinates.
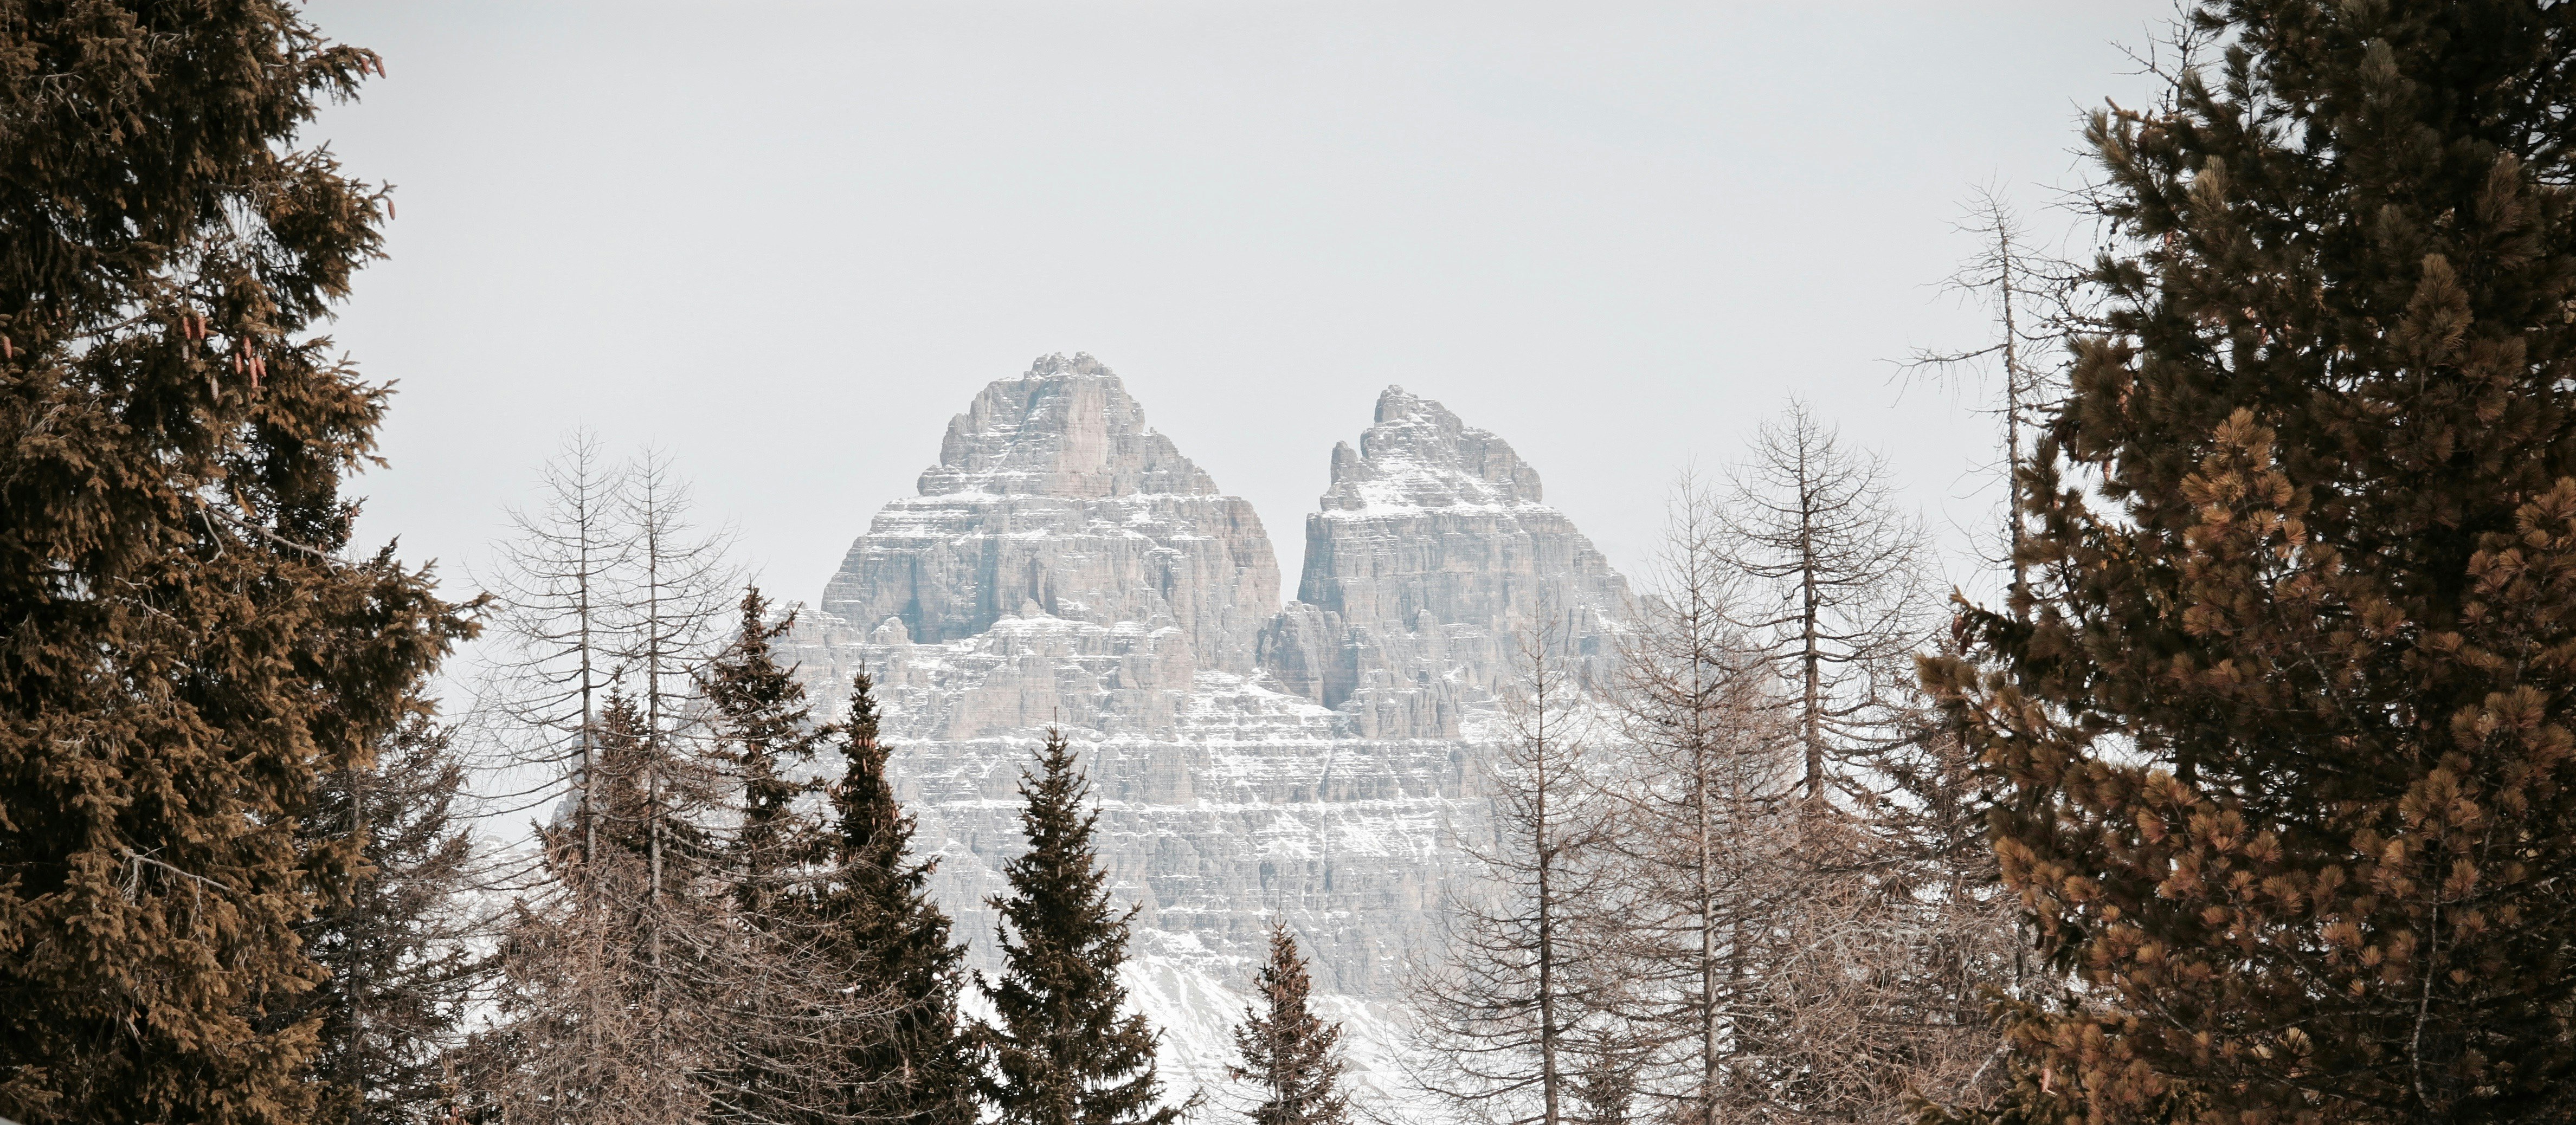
(1066, 566)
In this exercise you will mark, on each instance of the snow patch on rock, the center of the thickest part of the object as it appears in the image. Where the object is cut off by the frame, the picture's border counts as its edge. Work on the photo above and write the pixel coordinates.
(1064, 566)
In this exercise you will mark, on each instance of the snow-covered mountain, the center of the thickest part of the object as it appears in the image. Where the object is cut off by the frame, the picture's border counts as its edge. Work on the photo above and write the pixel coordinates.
(1064, 565)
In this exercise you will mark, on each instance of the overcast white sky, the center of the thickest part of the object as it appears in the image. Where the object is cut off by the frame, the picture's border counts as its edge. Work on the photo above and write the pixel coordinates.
(786, 242)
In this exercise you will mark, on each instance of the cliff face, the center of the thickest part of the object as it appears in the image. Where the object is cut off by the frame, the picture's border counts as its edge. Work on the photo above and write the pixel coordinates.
(1429, 567)
(1052, 499)
(1064, 565)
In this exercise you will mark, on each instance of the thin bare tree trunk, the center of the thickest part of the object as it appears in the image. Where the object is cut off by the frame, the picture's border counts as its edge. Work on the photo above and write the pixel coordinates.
(1812, 526)
(1498, 1027)
(1551, 1024)
(2010, 276)
(1810, 655)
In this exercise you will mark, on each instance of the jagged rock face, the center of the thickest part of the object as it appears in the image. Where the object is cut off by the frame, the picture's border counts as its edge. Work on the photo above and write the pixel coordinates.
(1052, 498)
(1418, 455)
(1065, 566)
(1067, 429)
(1429, 566)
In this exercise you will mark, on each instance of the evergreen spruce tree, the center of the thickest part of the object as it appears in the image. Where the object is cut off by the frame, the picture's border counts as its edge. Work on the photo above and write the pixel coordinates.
(765, 728)
(1292, 1058)
(2287, 733)
(767, 1067)
(619, 800)
(916, 1062)
(187, 650)
(391, 936)
(637, 797)
(1061, 1053)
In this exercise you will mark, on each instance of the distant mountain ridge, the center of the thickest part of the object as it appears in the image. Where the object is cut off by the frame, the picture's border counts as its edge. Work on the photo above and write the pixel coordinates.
(1064, 565)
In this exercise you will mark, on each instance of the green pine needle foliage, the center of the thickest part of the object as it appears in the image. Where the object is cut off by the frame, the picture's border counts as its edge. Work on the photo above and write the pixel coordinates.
(2285, 731)
(394, 936)
(766, 734)
(918, 1063)
(1292, 1059)
(1061, 1053)
(185, 649)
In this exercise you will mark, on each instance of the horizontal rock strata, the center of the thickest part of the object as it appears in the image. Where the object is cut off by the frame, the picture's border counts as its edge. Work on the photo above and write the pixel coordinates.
(1064, 565)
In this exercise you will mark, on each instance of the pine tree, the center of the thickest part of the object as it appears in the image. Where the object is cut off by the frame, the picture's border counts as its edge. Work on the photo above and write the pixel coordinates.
(391, 937)
(915, 1063)
(1292, 1058)
(187, 649)
(1061, 1053)
(772, 1058)
(764, 729)
(2287, 732)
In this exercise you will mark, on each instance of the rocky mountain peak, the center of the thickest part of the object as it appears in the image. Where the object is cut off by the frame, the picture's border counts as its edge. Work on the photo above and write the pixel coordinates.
(1066, 569)
(1419, 455)
(1067, 428)
(1052, 500)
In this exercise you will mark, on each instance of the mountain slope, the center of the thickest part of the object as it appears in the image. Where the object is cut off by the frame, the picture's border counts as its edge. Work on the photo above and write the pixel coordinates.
(1064, 565)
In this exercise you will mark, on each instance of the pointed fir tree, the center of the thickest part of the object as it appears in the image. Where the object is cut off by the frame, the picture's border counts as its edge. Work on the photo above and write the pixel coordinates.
(1292, 1058)
(2286, 734)
(188, 649)
(769, 1064)
(637, 795)
(765, 729)
(915, 1063)
(1061, 1053)
(391, 937)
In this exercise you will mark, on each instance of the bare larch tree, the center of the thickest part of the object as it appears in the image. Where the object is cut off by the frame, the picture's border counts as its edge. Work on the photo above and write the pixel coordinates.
(555, 592)
(1496, 1026)
(680, 584)
(1834, 597)
(1705, 793)
(1795, 942)
(2027, 290)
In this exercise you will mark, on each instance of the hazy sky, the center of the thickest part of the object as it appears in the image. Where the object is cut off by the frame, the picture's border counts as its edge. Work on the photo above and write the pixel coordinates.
(785, 242)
